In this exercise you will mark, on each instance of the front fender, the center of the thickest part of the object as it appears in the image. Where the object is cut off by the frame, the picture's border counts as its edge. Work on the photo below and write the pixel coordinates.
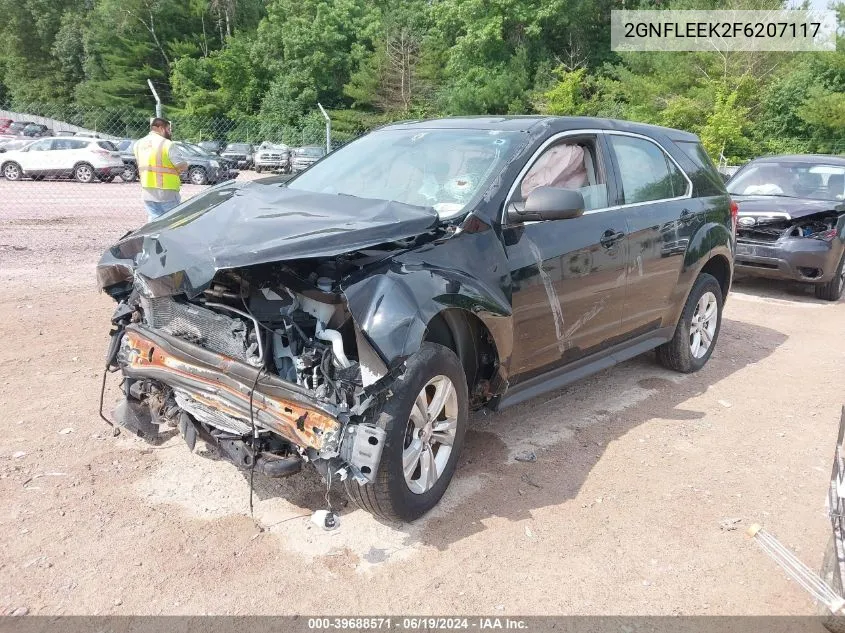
(393, 305)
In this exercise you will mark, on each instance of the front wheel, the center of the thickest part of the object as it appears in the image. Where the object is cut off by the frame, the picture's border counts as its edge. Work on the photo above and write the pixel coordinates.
(832, 290)
(425, 419)
(129, 173)
(197, 176)
(697, 329)
(12, 171)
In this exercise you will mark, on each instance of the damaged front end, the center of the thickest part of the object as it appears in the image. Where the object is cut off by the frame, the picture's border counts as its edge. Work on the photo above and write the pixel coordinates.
(802, 247)
(269, 375)
(262, 360)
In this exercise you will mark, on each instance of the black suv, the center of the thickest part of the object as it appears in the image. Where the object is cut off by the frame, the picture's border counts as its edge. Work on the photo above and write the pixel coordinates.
(354, 315)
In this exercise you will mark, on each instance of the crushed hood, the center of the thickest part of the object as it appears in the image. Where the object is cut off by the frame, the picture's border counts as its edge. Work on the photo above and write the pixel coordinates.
(244, 224)
(795, 207)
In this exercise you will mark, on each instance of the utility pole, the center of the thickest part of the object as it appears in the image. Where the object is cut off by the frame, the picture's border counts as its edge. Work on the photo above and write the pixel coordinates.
(328, 129)
(155, 96)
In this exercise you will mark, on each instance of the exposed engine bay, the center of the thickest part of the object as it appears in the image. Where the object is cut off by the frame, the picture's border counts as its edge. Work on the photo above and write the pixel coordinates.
(773, 228)
(266, 364)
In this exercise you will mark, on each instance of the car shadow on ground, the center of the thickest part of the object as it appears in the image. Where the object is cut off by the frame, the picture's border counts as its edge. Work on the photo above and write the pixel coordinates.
(779, 290)
(512, 490)
(569, 429)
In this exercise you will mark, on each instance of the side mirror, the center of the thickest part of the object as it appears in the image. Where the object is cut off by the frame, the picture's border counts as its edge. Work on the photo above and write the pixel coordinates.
(548, 203)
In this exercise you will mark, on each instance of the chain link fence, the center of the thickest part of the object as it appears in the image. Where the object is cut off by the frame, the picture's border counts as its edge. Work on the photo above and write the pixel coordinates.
(66, 161)
(79, 160)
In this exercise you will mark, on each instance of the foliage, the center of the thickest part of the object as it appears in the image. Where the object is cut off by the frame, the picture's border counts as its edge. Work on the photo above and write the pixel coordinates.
(255, 69)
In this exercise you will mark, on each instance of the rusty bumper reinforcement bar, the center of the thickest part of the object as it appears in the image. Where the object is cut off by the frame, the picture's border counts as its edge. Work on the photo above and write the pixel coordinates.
(225, 384)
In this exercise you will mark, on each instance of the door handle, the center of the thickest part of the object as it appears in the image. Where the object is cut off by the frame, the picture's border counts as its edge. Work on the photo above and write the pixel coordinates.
(610, 237)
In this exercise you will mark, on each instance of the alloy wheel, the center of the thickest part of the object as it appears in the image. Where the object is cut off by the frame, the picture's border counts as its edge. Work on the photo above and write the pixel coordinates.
(430, 434)
(84, 173)
(11, 172)
(703, 324)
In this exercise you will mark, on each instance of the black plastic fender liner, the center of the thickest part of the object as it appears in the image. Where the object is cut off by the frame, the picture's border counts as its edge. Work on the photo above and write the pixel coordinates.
(135, 416)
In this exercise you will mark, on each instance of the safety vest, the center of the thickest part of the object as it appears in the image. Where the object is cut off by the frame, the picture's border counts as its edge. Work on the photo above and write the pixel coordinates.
(154, 166)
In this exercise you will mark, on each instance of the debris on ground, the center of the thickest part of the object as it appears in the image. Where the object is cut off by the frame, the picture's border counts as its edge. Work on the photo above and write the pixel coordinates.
(526, 456)
(728, 525)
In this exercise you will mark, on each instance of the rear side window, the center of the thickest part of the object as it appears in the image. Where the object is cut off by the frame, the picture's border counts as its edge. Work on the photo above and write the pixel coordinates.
(706, 178)
(646, 172)
(107, 145)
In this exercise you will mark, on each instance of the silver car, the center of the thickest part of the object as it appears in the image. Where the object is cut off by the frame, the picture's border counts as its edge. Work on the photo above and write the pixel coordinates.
(303, 157)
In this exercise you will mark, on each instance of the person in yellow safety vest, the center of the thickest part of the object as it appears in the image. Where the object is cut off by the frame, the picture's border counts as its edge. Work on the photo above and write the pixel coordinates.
(159, 164)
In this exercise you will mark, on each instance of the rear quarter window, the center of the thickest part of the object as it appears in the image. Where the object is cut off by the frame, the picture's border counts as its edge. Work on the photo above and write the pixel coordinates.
(107, 145)
(705, 177)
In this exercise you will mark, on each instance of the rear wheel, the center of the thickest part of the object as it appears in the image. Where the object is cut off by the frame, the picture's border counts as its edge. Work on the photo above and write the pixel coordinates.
(12, 171)
(832, 290)
(84, 173)
(697, 329)
(197, 176)
(425, 420)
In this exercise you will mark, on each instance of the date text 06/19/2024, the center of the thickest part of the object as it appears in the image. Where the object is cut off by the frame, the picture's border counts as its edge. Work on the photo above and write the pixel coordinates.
(414, 624)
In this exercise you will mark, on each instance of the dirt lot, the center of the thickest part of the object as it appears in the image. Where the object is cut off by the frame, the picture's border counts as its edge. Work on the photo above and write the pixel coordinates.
(643, 486)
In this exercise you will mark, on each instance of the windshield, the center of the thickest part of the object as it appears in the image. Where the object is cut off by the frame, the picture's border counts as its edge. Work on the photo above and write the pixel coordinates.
(791, 180)
(239, 147)
(313, 152)
(191, 149)
(443, 169)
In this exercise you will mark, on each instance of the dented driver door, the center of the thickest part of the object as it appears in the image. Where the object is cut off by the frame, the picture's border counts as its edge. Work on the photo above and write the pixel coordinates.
(568, 276)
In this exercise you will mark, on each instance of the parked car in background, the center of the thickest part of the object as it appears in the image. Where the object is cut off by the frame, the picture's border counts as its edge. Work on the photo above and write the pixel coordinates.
(791, 222)
(86, 160)
(240, 154)
(4, 125)
(351, 318)
(303, 157)
(272, 157)
(10, 144)
(211, 147)
(130, 163)
(17, 127)
(204, 168)
(37, 130)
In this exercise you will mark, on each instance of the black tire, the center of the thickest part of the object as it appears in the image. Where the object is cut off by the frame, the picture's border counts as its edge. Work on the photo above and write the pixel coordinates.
(198, 176)
(831, 575)
(84, 173)
(677, 354)
(832, 290)
(258, 170)
(129, 173)
(12, 171)
(389, 496)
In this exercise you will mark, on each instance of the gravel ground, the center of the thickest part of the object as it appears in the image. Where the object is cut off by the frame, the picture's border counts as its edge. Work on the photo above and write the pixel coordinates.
(637, 502)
